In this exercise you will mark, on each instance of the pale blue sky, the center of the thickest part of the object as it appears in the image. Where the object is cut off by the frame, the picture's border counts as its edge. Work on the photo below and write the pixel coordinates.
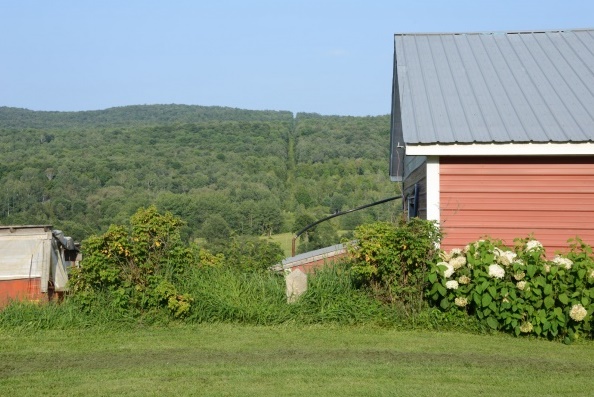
(323, 56)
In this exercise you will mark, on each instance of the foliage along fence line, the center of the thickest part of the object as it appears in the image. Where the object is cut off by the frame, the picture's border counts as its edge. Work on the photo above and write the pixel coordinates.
(394, 271)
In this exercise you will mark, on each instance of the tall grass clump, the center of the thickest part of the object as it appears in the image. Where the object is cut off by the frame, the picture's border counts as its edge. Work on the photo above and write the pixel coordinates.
(68, 314)
(225, 294)
(332, 297)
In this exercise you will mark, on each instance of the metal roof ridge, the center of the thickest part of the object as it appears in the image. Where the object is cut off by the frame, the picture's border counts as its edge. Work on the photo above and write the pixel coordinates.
(542, 31)
(24, 226)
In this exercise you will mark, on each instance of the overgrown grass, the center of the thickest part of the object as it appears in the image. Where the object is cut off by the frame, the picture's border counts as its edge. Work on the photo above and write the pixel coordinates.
(26, 316)
(224, 359)
(223, 295)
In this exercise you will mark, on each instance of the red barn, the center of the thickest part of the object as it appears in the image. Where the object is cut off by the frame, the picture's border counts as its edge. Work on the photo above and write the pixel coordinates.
(492, 134)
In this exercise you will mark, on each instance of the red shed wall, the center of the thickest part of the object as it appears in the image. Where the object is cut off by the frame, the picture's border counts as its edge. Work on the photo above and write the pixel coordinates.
(21, 289)
(509, 197)
(310, 267)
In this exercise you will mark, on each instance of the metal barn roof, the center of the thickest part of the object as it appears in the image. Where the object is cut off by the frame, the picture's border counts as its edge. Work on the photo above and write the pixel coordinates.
(495, 87)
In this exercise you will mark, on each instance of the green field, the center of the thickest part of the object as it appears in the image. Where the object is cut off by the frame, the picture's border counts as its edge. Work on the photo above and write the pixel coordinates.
(229, 360)
(285, 240)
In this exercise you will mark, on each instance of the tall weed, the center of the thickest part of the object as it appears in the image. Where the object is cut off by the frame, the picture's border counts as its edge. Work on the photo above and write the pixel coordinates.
(69, 314)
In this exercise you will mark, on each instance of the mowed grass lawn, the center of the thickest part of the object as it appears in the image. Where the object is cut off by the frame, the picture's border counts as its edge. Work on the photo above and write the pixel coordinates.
(228, 360)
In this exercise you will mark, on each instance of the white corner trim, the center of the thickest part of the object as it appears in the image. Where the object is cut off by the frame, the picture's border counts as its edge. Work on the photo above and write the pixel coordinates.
(433, 191)
(502, 149)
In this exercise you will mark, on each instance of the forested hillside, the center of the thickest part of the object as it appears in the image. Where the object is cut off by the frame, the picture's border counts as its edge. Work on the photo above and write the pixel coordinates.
(224, 171)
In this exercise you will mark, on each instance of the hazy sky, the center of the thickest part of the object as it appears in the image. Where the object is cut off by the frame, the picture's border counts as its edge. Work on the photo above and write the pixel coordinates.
(323, 56)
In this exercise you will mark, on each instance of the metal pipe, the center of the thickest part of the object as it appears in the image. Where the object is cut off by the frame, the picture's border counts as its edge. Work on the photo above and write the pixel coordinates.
(306, 228)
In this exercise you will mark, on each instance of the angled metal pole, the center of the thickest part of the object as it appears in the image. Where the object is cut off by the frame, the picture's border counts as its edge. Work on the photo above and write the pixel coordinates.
(306, 228)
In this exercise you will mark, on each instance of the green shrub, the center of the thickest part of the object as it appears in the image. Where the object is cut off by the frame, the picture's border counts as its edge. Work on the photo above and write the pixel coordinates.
(137, 266)
(393, 260)
(519, 291)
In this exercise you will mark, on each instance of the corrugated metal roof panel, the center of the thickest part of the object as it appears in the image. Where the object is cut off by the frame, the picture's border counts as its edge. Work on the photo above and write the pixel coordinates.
(496, 87)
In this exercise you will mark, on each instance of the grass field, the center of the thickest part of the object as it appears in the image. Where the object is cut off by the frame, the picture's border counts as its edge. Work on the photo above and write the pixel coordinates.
(285, 240)
(228, 360)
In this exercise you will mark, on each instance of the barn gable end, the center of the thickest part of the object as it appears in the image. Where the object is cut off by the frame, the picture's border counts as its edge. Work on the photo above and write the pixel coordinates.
(499, 127)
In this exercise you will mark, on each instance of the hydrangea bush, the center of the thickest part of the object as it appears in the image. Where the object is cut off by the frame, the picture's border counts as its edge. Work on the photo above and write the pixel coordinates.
(518, 290)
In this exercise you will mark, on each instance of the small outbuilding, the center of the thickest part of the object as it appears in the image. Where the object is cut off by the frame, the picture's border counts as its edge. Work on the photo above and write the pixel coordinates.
(34, 262)
(492, 133)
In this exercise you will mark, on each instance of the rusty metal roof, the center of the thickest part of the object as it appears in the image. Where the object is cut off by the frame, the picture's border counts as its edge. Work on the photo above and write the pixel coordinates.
(495, 87)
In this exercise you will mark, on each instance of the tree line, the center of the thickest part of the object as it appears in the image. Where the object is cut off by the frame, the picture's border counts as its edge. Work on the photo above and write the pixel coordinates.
(223, 171)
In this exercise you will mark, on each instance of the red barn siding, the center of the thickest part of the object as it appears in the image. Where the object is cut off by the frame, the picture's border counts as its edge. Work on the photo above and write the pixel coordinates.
(21, 289)
(310, 267)
(509, 197)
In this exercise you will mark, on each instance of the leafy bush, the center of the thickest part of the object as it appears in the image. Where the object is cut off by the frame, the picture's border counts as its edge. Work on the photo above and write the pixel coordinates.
(137, 266)
(519, 291)
(393, 260)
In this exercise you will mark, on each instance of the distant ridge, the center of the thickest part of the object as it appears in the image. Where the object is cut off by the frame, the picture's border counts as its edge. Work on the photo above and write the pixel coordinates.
(132, 115)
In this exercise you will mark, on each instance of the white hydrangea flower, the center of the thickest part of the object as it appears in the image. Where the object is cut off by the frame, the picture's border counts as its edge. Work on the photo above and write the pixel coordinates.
(592, 273)
(455, 252)
(547, 268)
(561, 261)
(578, 312)
(461, 301)
(452, 284)
(519, 276)
(466, 248)
(449, 269)
(464, 280)
(496, 271)
(504, 258)
(526, 327)
(458, 262)
(533, 245)
(521, 285)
